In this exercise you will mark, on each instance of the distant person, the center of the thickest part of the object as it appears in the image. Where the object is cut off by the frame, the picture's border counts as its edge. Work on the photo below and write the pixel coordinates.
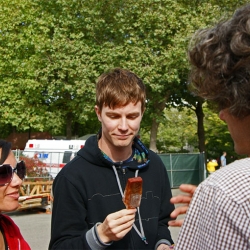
(211, 166)
(11, 177)
(88, 211)
(219, 213)
(223, 160)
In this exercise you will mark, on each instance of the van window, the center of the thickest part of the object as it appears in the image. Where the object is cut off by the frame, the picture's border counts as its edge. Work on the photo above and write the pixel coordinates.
(67, 156)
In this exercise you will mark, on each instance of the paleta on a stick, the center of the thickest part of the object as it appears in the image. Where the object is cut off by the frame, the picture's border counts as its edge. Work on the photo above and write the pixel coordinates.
(133, 192)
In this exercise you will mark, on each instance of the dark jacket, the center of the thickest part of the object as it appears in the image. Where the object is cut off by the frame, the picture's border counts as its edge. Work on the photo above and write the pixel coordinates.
(86, 191)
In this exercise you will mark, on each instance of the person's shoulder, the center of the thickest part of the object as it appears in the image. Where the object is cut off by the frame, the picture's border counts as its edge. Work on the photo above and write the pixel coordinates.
(72, 169)
(154, 156)
(74, 163)
(242, 164)
(233, 180)
(9, 222)
(156, 161)
(7, 218)
(236, 168)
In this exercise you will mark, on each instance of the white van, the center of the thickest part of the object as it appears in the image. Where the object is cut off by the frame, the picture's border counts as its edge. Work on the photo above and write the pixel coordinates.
(55, 153)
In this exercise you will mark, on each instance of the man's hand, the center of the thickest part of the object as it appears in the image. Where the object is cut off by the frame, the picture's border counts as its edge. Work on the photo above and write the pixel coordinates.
(116, 225)
(164, 247)
(183, 199)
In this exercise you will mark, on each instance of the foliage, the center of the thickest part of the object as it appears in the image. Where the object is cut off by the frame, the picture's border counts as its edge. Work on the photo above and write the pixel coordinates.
(218, 138)
(53, 51)
(35, 167)
(177, 133)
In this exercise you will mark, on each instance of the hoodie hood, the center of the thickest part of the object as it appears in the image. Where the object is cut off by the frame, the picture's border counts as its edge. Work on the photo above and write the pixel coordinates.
(92, 153)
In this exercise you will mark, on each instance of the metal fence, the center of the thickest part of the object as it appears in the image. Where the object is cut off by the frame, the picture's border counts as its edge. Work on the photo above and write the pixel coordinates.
(44, 164)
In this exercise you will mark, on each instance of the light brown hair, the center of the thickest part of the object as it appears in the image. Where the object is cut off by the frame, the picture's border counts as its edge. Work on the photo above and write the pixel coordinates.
(119, 87)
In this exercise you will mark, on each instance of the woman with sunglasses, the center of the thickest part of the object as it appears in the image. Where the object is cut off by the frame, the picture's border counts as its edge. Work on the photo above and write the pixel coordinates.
(11, 177)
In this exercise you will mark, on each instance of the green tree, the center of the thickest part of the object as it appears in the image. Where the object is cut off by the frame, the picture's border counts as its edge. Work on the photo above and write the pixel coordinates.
(218, 138)
(53, 51)
(177, 133)
(23, 100)
(155, 38)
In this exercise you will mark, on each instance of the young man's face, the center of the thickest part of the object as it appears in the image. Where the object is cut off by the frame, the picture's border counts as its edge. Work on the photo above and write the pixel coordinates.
(120, 125)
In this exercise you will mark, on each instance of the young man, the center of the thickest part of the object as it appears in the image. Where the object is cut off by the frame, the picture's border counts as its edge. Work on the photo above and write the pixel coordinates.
(88, 211)
(219, 213)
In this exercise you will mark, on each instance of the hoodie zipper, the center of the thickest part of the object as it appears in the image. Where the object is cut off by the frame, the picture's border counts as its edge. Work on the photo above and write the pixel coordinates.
(123, 170)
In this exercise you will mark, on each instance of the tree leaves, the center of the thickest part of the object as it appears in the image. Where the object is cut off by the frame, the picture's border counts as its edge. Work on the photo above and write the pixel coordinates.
(53, 51)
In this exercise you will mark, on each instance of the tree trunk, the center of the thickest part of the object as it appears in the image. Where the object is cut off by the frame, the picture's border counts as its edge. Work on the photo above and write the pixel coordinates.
(29, 133)
(200, 126)
(76, 128)
(68, 126)
(158, 107)
(153, 135)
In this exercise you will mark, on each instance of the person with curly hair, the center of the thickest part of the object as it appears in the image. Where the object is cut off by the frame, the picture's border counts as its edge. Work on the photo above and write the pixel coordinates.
(219, 213)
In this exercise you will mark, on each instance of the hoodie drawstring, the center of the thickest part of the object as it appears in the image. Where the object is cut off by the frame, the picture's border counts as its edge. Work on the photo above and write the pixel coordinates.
(141, 234)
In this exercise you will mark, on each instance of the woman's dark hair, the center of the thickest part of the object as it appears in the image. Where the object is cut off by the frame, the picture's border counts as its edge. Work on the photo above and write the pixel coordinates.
(6, 147)
(220, 59)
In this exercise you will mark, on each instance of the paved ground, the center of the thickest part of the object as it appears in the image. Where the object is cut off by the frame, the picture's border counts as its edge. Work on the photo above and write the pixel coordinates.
(35, 226)
(175, 230)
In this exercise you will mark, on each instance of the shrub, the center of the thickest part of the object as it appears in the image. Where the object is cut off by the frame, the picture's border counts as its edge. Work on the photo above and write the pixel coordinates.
(35, 167)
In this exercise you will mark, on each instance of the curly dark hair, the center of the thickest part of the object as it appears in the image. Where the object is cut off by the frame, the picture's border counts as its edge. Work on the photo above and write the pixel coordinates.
(220, 63)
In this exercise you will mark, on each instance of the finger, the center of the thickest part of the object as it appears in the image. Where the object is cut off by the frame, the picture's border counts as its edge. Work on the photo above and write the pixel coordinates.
(175, 223)
(120, 230)
(181, 199)
(122, 233)
(121, 213)
(117, 219)
(178, 211)
(124, 212)
(188, 188)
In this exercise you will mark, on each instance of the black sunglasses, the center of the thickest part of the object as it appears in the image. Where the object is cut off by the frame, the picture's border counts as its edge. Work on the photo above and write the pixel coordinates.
(7, 172)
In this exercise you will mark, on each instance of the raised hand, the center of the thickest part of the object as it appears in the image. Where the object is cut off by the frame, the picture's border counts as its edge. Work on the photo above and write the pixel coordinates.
(116, 225)
(184, 199)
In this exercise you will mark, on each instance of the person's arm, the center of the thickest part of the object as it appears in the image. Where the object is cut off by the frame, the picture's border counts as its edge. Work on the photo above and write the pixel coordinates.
(164, 247)
(68, 224)
(115, 227)
(215, 219)
(69, 229)
(183, 199)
